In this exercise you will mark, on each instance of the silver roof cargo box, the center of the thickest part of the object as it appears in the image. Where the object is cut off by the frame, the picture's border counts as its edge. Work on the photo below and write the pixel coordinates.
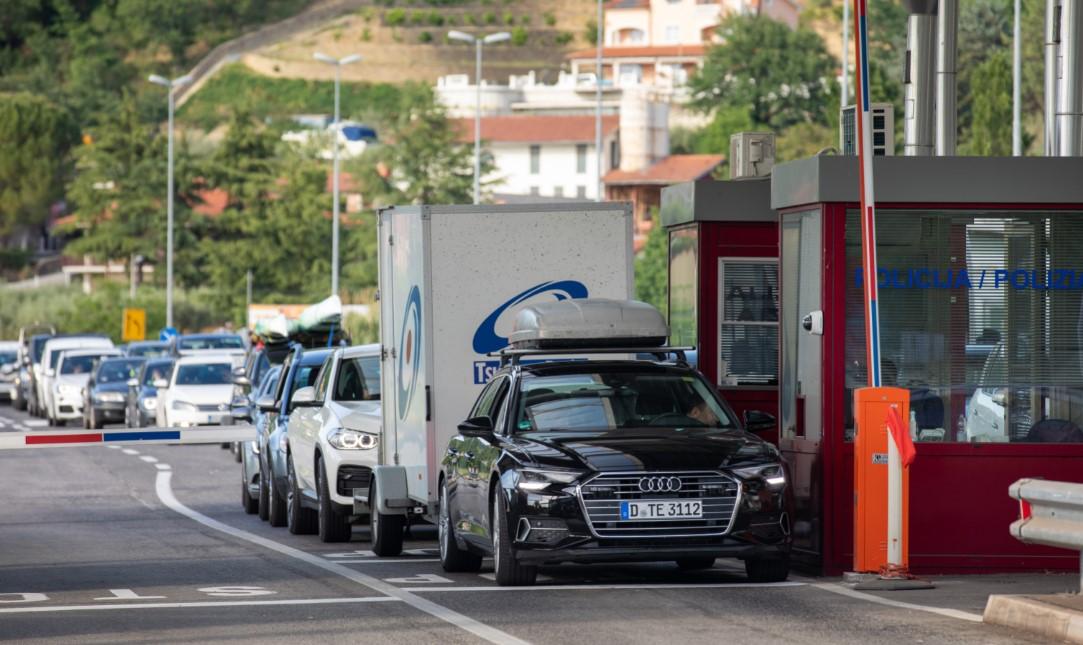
(589, 322)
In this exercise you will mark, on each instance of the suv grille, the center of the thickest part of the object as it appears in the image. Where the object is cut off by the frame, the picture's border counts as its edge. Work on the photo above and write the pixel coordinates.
(351, 477)
(601, 498)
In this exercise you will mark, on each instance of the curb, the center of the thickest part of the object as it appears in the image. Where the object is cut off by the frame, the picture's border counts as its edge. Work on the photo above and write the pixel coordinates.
(1032, 614)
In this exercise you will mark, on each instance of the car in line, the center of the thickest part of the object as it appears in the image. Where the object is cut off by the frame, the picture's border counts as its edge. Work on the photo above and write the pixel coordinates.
(147, 348)
(9, 368)
(50, 357)
(141, 404)
(217, 344)
(105, 396)
(30, 385)
(333, 433)
(299, 369)
(249, 378)
(31, 340)
(607, 460)
(74, 368)
(198, 392)
(249, 450)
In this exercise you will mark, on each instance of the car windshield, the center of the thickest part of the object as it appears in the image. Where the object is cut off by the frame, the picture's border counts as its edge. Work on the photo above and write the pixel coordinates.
(358, 379)
(157, 370)
(7, 357)
(205, 374)
(117, 371)
(618, 399)
(150, 349)
(82, 364)
(211, 342)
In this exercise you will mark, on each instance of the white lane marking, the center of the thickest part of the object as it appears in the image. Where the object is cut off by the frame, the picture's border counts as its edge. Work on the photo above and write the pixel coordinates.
(642, 587)
(207, 603)
(127, 594)
(384, 560)
(492, 576)
(165, 495)
(129, 451)
(36, 423)
(370, 554)
(950, 613)
(113, 447)
(162, 466)
(420, 578)
(21, 428)
(149, 459)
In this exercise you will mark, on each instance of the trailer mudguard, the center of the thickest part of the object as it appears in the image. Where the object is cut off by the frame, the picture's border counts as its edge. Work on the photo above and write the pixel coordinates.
(393, 496)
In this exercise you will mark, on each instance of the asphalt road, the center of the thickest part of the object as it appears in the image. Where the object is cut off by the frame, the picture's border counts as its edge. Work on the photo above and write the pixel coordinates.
(149, 543)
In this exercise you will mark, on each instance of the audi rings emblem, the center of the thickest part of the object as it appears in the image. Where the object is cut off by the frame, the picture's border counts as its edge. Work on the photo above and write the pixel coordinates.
(660, 484)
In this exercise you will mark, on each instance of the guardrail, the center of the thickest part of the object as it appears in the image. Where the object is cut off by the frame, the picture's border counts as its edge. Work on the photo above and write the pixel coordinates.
(123, 437)
(1050, 513)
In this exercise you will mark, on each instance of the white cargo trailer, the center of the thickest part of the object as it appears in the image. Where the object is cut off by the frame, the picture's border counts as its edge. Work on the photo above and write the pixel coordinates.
(452, 279)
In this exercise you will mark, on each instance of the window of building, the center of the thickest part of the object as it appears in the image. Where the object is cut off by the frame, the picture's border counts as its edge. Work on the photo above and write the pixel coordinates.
(748, 317)
(673, 33)
(981, 318)
(535, 159)
(558, 191)
(614, 154)
(581, 192)
(581, 158)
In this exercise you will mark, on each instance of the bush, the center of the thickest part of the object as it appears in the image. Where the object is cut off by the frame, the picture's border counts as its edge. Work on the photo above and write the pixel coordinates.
(395, 18)
(417, 18)
(550, 19)
(489, 18)
(471, 19)
(509, 19)
(564, 37)
(518, 36)
(525, 19)
(423, 37)
(436, 19)
(366, 35)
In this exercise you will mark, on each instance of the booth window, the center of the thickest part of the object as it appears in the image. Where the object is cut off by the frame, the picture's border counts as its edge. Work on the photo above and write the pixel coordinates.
(981, 318)
(748, 321)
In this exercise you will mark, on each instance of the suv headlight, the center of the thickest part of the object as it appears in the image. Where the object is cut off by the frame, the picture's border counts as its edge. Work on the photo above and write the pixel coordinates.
(345, 439)
(535, 479)
(184, 406)
(772, 474)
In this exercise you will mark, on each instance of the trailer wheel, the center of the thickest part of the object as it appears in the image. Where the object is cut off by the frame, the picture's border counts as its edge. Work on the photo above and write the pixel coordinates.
(386, 529)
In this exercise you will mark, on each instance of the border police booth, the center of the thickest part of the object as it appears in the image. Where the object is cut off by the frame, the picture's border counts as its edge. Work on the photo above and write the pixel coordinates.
(981, 319)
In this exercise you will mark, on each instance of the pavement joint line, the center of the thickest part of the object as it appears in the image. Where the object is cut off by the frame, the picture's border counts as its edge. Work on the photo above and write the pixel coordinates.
(204, 604)
(860, 595)
(164, 490)
(618, 587)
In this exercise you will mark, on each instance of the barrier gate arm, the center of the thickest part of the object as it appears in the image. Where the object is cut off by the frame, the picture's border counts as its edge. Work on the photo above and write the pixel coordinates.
(141, 436)
(1050, 513)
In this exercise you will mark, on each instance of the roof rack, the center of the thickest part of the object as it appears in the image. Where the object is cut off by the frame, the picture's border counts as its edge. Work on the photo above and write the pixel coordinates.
(513, 356)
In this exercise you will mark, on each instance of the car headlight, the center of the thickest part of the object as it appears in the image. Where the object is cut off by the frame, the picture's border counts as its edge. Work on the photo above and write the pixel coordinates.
(344, 439)
(109, 397)
(772, 474)
(184, 406)
(68, 390)
(535, 479)
(149, 403)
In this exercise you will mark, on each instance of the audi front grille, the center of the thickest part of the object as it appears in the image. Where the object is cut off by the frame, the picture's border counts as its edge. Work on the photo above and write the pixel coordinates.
(602, 495)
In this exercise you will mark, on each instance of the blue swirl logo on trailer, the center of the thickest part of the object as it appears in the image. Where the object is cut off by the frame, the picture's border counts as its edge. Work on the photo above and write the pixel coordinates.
(409, 351)
(486, 339)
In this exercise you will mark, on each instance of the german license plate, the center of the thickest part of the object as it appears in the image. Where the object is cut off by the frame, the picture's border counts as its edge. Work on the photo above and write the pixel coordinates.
(661, 510)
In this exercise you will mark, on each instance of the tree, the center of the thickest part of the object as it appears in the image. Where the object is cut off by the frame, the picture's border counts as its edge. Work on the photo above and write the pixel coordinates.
(991, 127)
(35, 136)
(780, 76)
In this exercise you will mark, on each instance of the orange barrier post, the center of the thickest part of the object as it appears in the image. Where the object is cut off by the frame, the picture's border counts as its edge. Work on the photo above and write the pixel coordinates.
(872, 443)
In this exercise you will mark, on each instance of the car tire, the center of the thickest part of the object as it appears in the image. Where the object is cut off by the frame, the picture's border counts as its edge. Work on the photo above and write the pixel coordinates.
(694, 564)
(237, 456)
(19, 404)
(276, 504)
(332, 525)
(299, 520)
(248, 503)
(264, 502)
(767, 570)
(452, 558)
(386, 530)
(509, 572)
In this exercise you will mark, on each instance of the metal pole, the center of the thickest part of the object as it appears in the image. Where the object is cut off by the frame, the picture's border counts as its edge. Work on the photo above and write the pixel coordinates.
(1052, 46)
(169, 223)
(918, 128)
(247, 294)
(1070, 110)
(131, 276)
(1017, 82)
(598, 106)
(845, 54)
(946, 86)
(334, 188)
(477, 122)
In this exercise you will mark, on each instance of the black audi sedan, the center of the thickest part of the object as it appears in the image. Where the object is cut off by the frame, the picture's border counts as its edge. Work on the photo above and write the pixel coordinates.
(610, 461)
(106, 392)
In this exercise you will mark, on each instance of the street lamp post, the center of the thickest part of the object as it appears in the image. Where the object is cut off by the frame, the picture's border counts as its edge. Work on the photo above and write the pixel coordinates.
(170, 85)
(338, 63)
(478, 42)
(598, 103)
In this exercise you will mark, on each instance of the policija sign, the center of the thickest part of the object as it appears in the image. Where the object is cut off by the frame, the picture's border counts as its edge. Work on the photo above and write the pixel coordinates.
(1016, 279)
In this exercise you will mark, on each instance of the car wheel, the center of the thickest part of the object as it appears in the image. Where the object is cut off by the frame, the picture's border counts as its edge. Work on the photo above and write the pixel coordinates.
(694, 564)
(248, 503)
(264, 494)
(767, 570)
(452, 557)
(276, 511)
(509, 572)
(236, 451)
(386, 530)
(299, 520)
(333, 526)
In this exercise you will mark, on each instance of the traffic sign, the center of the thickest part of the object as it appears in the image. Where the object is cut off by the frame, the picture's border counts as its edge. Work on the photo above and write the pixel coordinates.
(135, 325)
(167, 333)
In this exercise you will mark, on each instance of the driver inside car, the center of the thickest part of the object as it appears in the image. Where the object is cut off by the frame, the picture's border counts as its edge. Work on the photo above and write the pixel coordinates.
(702, 412)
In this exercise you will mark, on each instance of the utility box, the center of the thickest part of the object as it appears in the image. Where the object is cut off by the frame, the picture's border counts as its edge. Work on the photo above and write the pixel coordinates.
(883, 130)
(752, 154)
(871, 405)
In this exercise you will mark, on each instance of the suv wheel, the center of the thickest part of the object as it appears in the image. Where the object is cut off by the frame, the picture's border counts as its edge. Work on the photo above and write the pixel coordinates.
(276, 505)
(299, 520)
(509, 573)
(248, 503)
(264, 494)
(452, 557)
(333, 526)
(386, 530)
(767, 570)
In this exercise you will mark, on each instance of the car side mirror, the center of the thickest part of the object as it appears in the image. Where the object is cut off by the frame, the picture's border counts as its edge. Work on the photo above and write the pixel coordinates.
(266, 403)
(8, 368)
(480, 427)
(759, 421)
(305, 397)
(50, 372)
(242, 381)
(161, 383)
(133, 382)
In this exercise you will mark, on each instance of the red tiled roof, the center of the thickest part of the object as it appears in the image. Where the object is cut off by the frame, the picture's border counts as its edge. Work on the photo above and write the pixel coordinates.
(642, 52)
(627, 4)
(211, 201)
(346, 183)
(535, 129)
(671, 170)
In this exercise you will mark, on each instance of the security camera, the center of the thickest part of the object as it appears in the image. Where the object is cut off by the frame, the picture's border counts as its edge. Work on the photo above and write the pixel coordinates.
(813, 322)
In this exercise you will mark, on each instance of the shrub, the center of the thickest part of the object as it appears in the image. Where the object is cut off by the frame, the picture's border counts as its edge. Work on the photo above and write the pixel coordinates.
(564, 37)
(436, 19)
(550, 19)
(509, 19)
(489, 18)
(366, 35)
(518, 36)
(525, 19)
(395, 18)
(471, 19)
(424, 37)
(417, 18)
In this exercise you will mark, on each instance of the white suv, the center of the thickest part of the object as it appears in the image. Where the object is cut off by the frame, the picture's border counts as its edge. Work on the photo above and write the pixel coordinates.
(333, 433)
